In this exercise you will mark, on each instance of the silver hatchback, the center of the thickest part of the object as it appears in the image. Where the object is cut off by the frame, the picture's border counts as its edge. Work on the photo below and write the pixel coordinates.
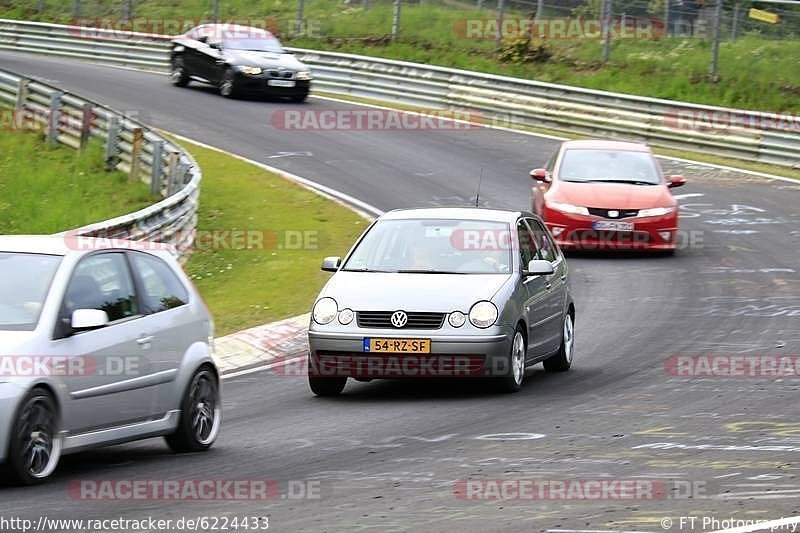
(443, 292)
(100, 343)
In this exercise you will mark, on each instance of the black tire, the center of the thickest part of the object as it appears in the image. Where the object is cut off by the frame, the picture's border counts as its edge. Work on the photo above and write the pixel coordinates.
(327, 386)
(32, 459)
(516, 374)
(227, 86)
(562, 360)
(178, 75)
(299, 98)
(201, 414)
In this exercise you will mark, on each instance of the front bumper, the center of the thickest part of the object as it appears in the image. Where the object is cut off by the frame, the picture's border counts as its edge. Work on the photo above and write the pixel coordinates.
(260, 85)
(576, 232)
(341, 354)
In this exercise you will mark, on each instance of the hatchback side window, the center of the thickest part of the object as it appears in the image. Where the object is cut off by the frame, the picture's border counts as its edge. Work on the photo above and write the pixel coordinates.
(527, 244)
(547, 248)
(102, 282)
(160, 287)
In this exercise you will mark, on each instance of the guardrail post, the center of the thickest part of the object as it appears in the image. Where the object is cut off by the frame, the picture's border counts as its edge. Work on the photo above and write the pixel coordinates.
(76, 9)
(715, 43)
(112, 143)
(136, 151)
(54, 118)
(156, 171)
(87, 115)
(22, 94)
(173, 158)
(605, 14)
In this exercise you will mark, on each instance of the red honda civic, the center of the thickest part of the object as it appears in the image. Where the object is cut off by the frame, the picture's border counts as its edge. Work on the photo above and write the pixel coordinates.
(607, 195)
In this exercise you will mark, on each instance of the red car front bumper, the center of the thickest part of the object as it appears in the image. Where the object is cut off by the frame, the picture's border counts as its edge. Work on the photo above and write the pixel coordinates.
(588, 232)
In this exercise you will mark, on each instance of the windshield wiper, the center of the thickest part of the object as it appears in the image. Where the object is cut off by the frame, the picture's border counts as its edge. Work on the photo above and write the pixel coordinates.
(634, 182)
(365, 269)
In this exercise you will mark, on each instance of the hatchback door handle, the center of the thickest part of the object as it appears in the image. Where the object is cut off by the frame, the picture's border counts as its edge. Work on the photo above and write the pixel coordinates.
(563, 277)
(548, 286)
(144, 340)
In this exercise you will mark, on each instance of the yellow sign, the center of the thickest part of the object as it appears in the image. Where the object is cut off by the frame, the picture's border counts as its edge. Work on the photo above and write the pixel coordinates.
(764, 16)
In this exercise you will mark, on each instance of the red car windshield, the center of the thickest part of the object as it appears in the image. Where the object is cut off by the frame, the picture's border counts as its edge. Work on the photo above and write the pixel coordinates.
(614, 166)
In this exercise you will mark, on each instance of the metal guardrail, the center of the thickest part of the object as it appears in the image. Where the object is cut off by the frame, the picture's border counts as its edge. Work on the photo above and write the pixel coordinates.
(500, 100)
(130, 147)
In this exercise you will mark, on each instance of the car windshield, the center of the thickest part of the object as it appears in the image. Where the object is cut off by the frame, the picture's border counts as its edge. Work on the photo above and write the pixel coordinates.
(255, 44)
(434, 246)
(616, 166)
(26, 280)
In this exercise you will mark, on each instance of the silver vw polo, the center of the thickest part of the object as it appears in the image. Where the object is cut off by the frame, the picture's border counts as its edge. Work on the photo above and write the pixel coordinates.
(443, 292)
(101, 343)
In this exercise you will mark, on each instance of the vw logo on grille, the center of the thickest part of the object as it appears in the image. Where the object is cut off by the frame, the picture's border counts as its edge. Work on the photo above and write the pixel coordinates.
(399, 319)
(613, 214)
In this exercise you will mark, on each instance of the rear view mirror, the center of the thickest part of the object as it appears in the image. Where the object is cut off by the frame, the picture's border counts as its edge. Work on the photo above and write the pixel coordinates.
(676, 181)
(331, 264)
(539, 267)
(83, 319)
(540, 174)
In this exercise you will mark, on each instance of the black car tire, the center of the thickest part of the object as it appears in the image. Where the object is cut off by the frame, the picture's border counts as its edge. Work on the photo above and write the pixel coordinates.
(327, 386)
(201, 414)
(227, 86)
(562, 360)
(178, 76)
(37, 415)
(300, 97)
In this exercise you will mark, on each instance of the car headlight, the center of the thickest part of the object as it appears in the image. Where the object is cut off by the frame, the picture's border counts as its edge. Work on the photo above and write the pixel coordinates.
(457, 319)
(304, 75)
(346, 316)
(656, 211)
(324, 311)
(483, 314)
(252, 71)
(568, 208)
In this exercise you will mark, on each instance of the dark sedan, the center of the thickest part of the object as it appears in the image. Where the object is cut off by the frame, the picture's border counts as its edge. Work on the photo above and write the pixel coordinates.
(238, 60)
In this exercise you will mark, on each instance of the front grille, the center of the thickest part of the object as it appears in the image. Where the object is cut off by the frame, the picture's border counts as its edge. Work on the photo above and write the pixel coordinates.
(622, 213)
(281, 74)
(383, 319)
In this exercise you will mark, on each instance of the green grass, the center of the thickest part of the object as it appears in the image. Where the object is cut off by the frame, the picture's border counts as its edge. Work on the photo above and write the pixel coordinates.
(245, 288)
(755, 73)
(46, 189)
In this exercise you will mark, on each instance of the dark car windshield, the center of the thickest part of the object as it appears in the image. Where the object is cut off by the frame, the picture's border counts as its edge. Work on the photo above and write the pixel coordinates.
(609, 165)
(433, 246)
(272, 45)
(26, 280)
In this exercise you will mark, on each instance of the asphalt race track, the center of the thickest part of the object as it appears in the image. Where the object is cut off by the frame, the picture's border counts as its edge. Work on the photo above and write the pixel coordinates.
(388, 454)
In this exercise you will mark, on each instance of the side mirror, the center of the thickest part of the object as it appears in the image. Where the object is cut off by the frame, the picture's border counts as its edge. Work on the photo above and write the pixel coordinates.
(538, 267)
(540, 174)
(676, 181)
(83, 319)
(331, 264)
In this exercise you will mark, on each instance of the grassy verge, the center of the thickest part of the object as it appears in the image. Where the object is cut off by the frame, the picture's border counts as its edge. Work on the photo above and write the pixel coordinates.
(755, 72)
(276, 279)
(46, 189)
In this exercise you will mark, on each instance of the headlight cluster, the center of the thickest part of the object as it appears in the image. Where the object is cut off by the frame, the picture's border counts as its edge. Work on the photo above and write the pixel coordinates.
(304, 75)
(326, 309)
(252, 71)
(656, 211)
(482, 315)
(568, 208)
